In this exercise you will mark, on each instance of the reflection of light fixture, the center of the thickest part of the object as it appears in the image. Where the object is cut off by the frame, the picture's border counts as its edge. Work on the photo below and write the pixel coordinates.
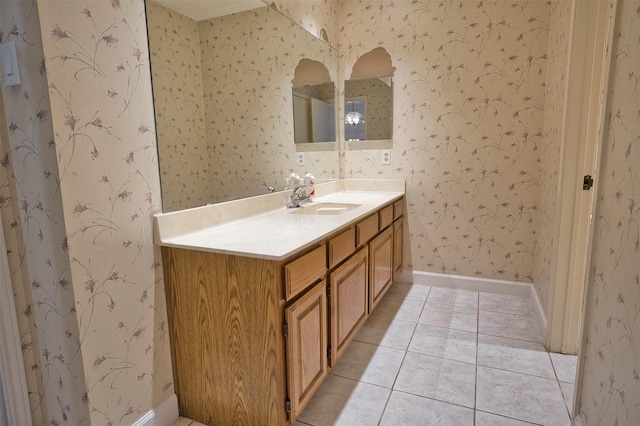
(353, 117)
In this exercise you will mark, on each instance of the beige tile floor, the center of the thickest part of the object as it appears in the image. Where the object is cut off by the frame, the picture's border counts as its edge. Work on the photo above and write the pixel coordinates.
(431, 355)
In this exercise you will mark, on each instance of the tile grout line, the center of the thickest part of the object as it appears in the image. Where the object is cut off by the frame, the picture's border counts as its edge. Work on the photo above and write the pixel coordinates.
(406, 350)
(475, 396)
(555, 372)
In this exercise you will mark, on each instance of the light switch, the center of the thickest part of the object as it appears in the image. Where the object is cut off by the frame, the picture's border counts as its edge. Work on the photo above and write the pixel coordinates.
(10, 72)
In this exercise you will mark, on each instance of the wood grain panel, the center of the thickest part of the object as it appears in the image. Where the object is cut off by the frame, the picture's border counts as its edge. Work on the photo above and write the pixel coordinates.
(349, 302)
(380, 266)
(304, 271)
(342, 246)
(398, 236)
(398, 208)
(226, 317)
(366, 229)
(386, 216)
(307, 346)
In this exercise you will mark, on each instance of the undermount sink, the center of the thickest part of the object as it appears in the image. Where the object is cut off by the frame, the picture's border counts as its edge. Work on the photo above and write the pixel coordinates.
(325, 208)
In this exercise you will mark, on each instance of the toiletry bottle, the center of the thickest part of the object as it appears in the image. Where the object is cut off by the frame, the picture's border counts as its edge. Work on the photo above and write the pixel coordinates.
(310, 183)
(294, 180)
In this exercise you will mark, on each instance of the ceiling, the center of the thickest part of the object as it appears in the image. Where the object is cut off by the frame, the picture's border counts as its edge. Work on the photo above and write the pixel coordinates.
(200, 10)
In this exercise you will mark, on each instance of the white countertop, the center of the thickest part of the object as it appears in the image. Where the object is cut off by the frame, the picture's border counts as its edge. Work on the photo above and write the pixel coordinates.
(262, 227)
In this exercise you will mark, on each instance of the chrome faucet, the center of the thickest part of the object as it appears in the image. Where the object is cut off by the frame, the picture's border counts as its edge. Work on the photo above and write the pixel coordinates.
(298, 196)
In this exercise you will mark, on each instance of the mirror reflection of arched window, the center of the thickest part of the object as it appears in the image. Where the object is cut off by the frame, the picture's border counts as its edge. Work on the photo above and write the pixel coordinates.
(313, 103)
(368, 111)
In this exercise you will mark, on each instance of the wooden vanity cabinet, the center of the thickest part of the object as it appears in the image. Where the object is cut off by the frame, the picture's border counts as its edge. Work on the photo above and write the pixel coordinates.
(253, 339)
(226, 316)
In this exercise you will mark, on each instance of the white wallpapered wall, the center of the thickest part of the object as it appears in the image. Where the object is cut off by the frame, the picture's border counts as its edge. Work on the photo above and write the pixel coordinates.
(83, 152)
(550, 152)
(33, 220)
(312, 15)
(468, 123)
(102, 115)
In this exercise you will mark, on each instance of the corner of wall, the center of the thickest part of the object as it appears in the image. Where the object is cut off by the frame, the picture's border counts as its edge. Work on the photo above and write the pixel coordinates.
(164, 414)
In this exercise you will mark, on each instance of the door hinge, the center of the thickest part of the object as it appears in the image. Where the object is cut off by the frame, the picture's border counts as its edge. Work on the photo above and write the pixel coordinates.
(587, 183)
(328, 291)
(285, 329)
(329, 353)
(287, 406)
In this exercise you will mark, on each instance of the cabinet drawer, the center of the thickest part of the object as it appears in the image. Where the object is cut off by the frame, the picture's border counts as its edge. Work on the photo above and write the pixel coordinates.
(366, 229)
(304, 271)
(398, 208)
(342, 246)
(386, 216)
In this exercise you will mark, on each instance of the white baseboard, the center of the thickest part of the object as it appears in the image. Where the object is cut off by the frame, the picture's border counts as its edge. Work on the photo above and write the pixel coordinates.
(164, 414)
(513, 288)
(539, 311)
(577, 420)
(461, 282)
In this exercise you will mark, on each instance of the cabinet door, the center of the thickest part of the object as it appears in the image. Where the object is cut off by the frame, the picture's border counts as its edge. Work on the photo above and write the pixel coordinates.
(380, 267)
(306, 346)
(348, 302)
(398, 233)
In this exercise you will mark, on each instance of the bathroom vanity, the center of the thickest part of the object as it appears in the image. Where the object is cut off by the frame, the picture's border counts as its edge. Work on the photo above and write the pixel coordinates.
(263, 300)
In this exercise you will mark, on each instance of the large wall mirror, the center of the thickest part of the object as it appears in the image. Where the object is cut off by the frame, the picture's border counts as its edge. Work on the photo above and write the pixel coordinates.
(223, 98)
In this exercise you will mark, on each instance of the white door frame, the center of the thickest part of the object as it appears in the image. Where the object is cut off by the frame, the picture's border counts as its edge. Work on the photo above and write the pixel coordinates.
(610, 17)
(11, 363)
(587, 78)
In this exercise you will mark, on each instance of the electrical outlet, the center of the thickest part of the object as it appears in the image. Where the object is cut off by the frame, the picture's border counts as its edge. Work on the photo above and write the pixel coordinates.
(386, 157)
(301, 159)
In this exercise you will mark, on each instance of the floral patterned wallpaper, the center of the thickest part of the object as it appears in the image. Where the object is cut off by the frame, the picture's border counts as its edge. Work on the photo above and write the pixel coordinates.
(257, 86)
(83, 156)
(550, 150)
(179, 108)
(32, 213)
(246, 78)
(468, 123)
(324, 91)
(611, 381)
(102, 114)
(312, 15)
